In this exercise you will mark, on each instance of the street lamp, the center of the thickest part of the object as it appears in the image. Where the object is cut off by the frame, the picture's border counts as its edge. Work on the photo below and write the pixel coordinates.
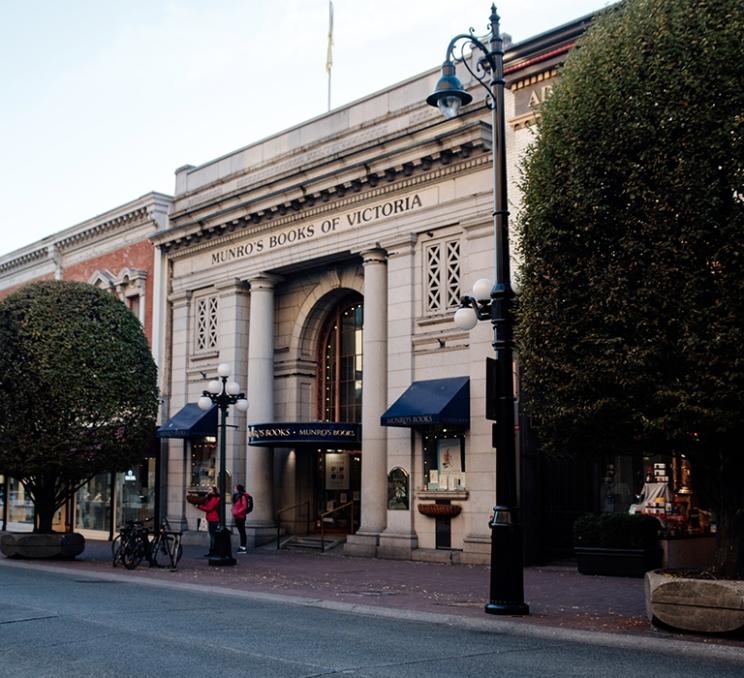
(222, 393)
(493, 302)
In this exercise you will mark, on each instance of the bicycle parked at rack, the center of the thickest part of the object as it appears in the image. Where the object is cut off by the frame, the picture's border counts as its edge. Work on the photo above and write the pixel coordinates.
(133, 544)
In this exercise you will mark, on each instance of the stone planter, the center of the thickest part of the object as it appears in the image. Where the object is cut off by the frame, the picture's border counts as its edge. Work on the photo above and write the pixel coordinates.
(617, 562)
(48, 546)
(703, 605)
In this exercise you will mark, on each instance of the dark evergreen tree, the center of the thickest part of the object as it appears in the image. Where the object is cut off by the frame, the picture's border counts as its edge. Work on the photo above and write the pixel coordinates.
(631, 316)
(79, 390)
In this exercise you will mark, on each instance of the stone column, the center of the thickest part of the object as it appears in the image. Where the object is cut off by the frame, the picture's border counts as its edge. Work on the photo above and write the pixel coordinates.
(374, 395)
(259, 476)
(233, 305)
(175, 469)
(399, 538)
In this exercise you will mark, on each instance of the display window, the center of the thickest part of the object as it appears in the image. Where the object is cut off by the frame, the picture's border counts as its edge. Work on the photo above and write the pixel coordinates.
(657, 485)
(444, 461)
(203, 463)
(135, 492)
(20, 507)
(93, 504)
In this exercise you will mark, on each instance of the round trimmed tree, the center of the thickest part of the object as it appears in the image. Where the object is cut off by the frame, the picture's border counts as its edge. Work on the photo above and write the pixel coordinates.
(79, 390)
(631, 317)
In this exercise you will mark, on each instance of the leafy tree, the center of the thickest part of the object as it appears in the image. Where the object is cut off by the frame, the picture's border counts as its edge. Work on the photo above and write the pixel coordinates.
(631, 317)
(79, 393)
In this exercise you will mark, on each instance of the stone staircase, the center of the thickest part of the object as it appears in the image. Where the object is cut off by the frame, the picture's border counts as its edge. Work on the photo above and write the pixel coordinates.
(311, 542)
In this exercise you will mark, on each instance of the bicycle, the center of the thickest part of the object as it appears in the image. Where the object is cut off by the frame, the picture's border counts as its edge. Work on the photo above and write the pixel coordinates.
(133, 544)
(166, 542)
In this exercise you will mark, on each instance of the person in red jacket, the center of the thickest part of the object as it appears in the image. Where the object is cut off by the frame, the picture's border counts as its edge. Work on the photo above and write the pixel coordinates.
(209, 506)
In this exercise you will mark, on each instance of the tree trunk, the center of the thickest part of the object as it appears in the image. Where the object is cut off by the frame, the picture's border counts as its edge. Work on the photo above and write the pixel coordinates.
(42, 488)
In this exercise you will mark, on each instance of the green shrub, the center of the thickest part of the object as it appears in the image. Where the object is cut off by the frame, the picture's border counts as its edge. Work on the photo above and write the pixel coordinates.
(616, 530)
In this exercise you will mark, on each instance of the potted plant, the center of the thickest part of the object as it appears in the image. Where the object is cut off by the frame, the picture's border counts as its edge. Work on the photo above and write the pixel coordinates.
(617, 544)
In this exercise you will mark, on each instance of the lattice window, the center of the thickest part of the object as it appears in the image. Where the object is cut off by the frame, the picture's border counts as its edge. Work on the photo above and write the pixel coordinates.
(442, 276)
(452, 274)
(206, 323)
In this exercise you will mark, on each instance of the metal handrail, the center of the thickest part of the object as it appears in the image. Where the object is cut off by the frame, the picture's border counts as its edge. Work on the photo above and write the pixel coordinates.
(328, 513)
(289, 508)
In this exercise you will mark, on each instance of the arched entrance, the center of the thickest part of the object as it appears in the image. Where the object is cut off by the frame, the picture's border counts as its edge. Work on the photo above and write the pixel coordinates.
(338, 471)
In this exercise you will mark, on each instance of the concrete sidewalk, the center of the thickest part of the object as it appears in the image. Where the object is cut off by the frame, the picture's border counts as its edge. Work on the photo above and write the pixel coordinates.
(558, 595)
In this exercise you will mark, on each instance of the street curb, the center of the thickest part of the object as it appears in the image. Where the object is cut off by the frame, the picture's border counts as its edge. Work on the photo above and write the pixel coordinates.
(488, 624)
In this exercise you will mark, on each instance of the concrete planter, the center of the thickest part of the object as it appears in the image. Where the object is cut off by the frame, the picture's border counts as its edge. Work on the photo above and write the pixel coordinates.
(617, 562)
(703, 605)
(47, 546)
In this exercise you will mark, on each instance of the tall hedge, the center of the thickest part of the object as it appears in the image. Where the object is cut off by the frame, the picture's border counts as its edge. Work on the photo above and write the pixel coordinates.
(79, 389)
(631, 318)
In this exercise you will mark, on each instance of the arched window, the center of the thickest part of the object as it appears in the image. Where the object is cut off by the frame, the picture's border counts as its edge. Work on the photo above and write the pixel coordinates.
(341, 364)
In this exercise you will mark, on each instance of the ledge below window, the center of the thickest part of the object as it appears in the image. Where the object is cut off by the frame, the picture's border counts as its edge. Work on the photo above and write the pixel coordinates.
(442, 494)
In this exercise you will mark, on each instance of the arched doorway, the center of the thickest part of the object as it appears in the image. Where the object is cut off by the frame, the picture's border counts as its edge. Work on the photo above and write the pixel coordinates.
(338, 472)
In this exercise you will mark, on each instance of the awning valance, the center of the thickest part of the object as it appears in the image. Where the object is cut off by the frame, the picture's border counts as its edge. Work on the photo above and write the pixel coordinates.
(190, 422)
(344, 435)
(435, 402)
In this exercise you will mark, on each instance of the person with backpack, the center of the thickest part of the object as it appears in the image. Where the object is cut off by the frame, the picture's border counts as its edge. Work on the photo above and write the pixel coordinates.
(241, 507)
(209, 506)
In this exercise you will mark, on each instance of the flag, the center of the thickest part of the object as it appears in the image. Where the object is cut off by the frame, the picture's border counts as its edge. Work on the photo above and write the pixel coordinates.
(329, 57)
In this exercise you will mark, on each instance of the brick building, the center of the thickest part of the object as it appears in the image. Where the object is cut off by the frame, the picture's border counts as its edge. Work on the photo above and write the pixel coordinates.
(112, 251)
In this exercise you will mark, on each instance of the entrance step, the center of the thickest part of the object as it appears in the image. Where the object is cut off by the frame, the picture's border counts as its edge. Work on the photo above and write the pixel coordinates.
(311, 542)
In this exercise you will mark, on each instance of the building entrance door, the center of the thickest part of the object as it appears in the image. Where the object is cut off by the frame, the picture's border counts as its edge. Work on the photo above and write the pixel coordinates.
(338, 483)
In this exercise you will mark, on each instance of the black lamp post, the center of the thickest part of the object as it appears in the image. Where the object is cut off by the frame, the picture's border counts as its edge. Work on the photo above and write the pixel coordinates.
(493, 302)
(222, 393)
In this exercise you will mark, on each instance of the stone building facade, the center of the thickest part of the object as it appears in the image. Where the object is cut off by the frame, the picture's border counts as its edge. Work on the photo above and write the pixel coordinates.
(323, 264)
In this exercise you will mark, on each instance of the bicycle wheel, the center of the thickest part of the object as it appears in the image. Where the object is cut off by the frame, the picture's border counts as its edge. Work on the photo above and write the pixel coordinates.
(157, 547)
(132, 555)
(173, 548)
(118, 558)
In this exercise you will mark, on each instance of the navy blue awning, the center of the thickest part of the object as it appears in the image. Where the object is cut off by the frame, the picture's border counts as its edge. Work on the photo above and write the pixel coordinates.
(435, 402)
(190, 422)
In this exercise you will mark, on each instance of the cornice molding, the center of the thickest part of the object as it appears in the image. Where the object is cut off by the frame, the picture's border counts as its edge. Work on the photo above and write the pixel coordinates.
(194, 241)
(303, 191)
(152, 210)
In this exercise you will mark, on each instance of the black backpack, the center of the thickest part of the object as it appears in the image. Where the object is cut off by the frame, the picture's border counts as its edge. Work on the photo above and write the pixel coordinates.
(248, 503)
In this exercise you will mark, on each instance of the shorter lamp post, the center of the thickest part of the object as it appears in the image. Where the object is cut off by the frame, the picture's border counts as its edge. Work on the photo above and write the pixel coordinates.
(222, 393)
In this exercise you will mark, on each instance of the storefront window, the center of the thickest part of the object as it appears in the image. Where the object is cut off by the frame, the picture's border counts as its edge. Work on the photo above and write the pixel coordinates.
(93, 502)
(203, 463)
(20, 507)
(658, 485)
(444, 461)
(135, 492)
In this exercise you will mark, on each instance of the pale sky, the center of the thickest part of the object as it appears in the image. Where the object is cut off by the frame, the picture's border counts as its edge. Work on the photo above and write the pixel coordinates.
(102, 100)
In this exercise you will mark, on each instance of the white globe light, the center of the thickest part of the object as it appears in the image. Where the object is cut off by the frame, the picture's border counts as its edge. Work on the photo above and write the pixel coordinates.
(233, 387)
(204, 403)
(223, 370)
(214, 386)
(482, 289)
(242, 404)
(466, 318)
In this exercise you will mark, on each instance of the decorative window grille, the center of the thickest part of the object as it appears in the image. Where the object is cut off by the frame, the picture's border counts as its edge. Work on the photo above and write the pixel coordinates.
(206, 323)
(442, 276)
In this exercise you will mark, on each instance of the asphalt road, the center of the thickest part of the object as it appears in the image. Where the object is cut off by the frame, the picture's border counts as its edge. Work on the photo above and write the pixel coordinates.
(55, 624)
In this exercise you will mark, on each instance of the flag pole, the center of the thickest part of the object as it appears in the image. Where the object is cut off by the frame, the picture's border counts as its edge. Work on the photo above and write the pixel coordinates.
(329, 56)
